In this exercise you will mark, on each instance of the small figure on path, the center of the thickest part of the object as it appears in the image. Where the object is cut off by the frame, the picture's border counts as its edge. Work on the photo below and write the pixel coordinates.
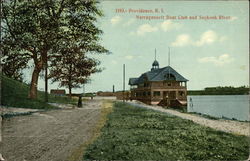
(191, 102)
(79, 101)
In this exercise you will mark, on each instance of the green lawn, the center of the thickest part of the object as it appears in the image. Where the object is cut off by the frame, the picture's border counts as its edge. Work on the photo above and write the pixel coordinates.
(15, 94)
(133, 133)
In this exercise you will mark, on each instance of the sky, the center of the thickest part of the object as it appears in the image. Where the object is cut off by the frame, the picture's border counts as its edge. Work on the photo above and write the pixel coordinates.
(207, 52)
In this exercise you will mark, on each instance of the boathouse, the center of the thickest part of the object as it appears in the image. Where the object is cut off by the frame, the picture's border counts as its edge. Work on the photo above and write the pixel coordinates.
(159, 86)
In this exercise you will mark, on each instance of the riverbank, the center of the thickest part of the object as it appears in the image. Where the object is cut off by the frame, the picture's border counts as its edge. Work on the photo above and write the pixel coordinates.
(134, 133)
(231, 126)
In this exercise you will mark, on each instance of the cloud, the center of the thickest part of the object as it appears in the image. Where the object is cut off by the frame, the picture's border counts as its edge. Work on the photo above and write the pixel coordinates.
(206, 38)
(115, 20)
(129, 57)
(169, 25)
(218, 61)
(145, 28)
(182, 40)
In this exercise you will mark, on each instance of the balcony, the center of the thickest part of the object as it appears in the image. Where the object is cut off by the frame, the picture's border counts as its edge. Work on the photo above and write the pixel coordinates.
(158, 88)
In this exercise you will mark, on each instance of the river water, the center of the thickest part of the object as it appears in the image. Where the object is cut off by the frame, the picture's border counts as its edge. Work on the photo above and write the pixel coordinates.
(229, 106)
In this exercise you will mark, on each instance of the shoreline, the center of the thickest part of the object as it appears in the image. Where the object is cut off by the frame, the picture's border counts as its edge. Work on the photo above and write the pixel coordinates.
(230, 126)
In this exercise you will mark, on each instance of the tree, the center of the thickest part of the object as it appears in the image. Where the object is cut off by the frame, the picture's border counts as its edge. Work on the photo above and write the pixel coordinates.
(72, 68)
(40, 27)
(13, 63)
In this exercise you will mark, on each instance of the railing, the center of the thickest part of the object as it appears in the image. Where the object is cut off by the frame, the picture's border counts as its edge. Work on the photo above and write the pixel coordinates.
(158, 88)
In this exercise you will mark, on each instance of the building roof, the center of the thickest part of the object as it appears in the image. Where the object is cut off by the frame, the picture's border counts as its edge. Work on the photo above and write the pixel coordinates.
(161, 74)
(57, 91)
(132, 81)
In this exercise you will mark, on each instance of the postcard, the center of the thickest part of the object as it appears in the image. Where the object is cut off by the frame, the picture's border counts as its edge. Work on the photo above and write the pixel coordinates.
(124, 80)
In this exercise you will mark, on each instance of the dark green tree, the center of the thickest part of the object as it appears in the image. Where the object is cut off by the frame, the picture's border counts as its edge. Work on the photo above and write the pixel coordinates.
(13, 63)
(72, 68)
(41, 27)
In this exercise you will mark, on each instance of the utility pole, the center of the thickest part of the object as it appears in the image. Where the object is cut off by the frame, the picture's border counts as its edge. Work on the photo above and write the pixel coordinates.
(46, 78)
(155, 53)
(169, 63)
(168, 56)
(83, 89)
(123, 83)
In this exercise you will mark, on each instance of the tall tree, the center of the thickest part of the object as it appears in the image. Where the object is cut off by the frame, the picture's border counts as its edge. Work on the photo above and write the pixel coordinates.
(40, 28)
(72, 68)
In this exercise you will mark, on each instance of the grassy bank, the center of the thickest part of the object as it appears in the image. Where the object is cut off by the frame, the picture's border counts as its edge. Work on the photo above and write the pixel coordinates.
(133, 133)
(14, 94)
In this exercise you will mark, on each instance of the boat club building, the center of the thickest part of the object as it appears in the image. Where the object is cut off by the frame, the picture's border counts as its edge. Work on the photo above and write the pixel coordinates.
(159, 85)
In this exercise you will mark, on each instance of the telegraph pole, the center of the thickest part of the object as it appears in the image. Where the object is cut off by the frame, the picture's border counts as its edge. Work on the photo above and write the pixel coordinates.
(123, 83)
(46, 78)
(155, 53)
(169, 63)
(83, 89)
(168, 56)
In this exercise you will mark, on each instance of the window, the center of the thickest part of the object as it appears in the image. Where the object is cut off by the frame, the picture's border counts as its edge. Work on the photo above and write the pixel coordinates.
(149, 93)
(157, 93)
(170, 77)
(169, 84)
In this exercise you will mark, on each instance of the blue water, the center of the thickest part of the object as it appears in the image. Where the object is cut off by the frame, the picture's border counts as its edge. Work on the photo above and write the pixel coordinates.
(229, 106)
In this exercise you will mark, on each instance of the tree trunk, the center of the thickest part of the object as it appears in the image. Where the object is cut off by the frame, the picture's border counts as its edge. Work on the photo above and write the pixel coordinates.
(39, 63)
(34, 82)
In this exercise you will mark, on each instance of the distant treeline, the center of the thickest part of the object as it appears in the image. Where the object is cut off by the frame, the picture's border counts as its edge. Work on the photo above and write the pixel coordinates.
(243, 90)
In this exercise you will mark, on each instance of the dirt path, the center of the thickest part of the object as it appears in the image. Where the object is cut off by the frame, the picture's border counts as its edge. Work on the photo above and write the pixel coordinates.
(236, 127)
(49, 136)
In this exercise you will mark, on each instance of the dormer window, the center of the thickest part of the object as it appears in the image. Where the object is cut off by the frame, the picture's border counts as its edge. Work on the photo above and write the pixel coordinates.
(169, 76)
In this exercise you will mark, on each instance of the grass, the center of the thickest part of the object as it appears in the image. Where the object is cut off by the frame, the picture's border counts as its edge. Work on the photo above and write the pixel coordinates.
(14, 94)
(133, 133)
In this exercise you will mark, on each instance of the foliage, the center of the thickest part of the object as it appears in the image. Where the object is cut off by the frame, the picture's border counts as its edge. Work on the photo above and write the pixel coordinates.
(14, 95)
(41, 28)
(72, 69)
(243, 90)
(13, 63)
(133, 133)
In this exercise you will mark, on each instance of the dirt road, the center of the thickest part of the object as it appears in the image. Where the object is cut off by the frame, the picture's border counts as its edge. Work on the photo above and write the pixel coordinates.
(56, 135)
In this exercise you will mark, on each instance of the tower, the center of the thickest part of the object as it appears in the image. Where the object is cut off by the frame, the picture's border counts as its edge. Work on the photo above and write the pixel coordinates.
(155, 64)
